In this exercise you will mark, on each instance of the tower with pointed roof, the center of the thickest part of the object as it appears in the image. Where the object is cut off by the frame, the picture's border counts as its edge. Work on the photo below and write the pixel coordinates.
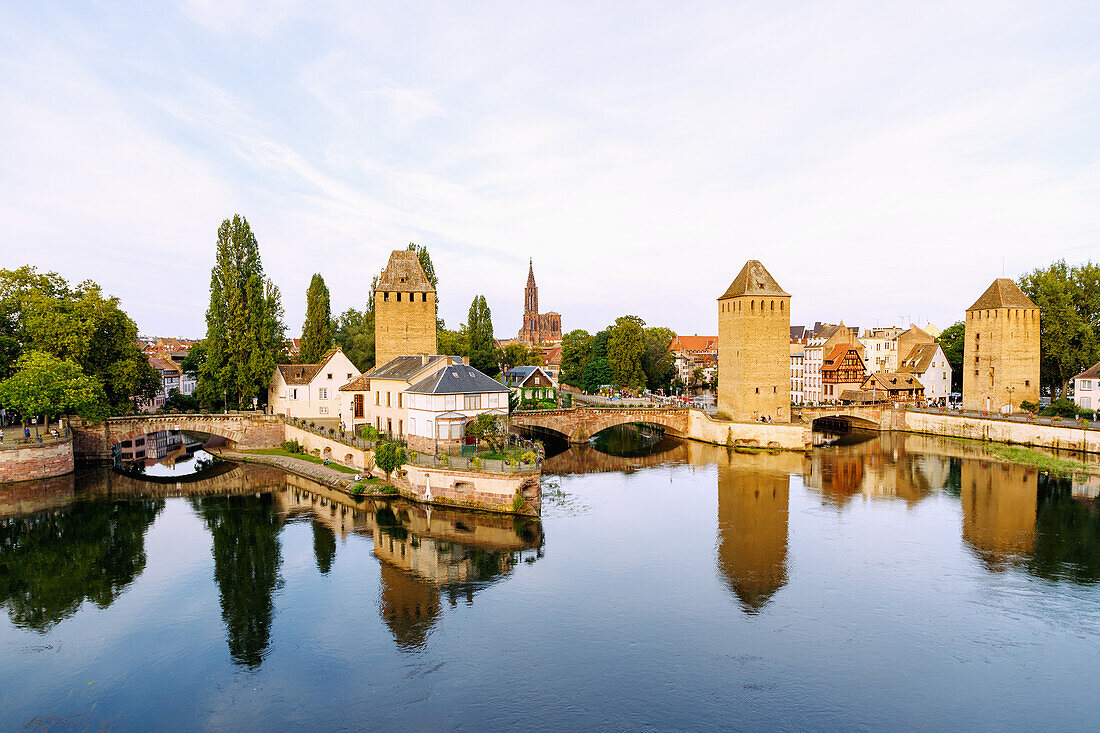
(754, 329)
(1001, 350)
(404, 309)
(538, 328)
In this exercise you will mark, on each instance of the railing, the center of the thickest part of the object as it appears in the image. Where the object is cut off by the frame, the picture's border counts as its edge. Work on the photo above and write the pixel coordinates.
(475, 463)
(14, 436)
(335, 434)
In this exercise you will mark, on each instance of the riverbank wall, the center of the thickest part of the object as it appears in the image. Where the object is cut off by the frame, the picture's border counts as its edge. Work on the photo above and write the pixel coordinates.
(33, 461)
(783, 436)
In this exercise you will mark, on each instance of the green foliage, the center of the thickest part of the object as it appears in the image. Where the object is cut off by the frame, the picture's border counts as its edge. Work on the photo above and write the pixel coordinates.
(953, 340)
(488, 428)
(54, 561)
(575, 352)
(1060, 407)
(177, 402)
(388, 489)
(292, 446)
(519, 504)
(624, 352)
(369, 432)
(1030, 406)
(48, 386)
(429, 270)
(658, 362)
(597, 372)
(454, 343)
(479, 325)
(41, 312)
(324, 546)
(317, 333)
(244, 328)
(389, 457)
(1069, 332)
(357, 489)
(517, 354)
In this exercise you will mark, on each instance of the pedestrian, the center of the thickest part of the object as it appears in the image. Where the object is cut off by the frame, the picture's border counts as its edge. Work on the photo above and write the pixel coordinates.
(26, 432)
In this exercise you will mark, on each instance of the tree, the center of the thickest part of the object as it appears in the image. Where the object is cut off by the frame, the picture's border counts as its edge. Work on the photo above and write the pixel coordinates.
(489, 428)
(48, 386)
(324, 546)
(624, 352)
(1069, 328)
(953, 340)
(576, 347)
(355, 335)
(657, 361)
(454, 343)
(317, 333)
(597, 372)
(244, 329)
(517, 354)
(41, 312)
(389, 457)
(483, 349)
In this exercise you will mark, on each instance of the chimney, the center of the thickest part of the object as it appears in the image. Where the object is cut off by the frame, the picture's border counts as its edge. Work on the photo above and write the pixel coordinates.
(466, 360)
(424, 360)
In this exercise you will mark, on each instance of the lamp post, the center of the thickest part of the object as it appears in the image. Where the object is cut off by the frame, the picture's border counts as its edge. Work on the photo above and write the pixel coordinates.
(1010, 390)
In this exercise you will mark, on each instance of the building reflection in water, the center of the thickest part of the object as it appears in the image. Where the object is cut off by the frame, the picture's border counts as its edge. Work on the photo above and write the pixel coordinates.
(999, 504)
(888, 466)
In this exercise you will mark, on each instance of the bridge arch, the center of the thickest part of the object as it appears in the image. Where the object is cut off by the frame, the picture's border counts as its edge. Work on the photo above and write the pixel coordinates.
(579, 424)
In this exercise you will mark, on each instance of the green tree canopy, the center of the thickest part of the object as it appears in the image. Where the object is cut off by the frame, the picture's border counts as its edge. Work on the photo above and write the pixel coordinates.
(41, 312)
(389, 457)
(624, 352)
(953, 341)
(483, 350)
(317, 333)
(575, 352)
(244, 329)
(657, 360)
(355, 335)
(1069, 329)
(48, 386)
(517, 354)
(454, 343)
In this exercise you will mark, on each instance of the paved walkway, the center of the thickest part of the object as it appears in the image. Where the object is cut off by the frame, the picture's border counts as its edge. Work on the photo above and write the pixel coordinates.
(306, 469)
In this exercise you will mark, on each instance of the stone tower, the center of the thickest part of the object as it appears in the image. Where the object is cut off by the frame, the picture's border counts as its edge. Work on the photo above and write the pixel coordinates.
(538, 328)
(1001, 351)
(754, 336)
(404, 309)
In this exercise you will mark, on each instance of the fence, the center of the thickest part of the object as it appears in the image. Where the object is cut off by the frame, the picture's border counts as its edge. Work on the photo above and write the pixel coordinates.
(475, 463)
(15, 435)
(336, 434)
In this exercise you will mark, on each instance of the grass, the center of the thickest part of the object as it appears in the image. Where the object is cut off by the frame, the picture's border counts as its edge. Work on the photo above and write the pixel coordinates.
(1035, 459)
(303, 457)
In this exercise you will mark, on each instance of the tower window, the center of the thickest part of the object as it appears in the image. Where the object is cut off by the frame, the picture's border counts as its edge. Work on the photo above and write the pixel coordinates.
(386, 297)
(399, 297)
(423, 297)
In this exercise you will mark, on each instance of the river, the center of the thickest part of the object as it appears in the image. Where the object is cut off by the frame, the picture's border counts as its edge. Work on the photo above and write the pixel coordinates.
(904, 582)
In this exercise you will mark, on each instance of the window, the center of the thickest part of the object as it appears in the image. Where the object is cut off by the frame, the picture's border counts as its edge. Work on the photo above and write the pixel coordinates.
(471, 402)
(294, 394)
(349, 375)
(388, 399)
(399, 297)
(1086, 385)
(377, 398)
(322, 392)
(400, 399)
(1027, 382)
(357, 405)
(412, 426)
(449, 402)
(386, 297)
(329, 375)
(322, 410)
(400, 427)
(423, 297)
(428, 433)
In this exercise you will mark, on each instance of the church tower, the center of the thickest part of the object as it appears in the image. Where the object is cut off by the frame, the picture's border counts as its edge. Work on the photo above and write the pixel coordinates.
(754, 336)
(1001, 349)
(538, 328)
(404, 309)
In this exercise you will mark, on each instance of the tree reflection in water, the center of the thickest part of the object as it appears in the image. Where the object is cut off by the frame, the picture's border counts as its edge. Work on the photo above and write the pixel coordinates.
(245, 532)
(51, 562)
(1067, 537)
(324, 546)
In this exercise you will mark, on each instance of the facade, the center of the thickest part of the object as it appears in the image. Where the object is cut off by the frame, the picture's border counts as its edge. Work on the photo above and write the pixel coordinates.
(880, 348)
(693, 352)
(929, 364)
(531, 383)
(754, 326)
(797, 357)
(1086, 388)
(440, 405)
(842, 371)
(385, 407)
(887, 387)
(312, 391)
(819, 344)
(404, 309)
(353, 402)
(538, 328)
(1001, 350)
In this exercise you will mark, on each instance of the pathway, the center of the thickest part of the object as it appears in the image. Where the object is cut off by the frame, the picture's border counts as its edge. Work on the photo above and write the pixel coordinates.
(321, 474)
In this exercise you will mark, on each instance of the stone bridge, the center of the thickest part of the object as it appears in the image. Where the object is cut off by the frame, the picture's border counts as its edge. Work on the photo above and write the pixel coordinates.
(241, 430)
(578, 424)
(845, 416)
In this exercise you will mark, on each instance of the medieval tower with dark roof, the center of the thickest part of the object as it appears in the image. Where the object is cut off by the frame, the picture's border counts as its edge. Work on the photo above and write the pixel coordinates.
(1001, 351)
(404, 309)
(754, 331)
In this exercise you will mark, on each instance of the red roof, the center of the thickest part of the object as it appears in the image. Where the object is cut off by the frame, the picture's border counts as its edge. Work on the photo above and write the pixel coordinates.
(694, 344)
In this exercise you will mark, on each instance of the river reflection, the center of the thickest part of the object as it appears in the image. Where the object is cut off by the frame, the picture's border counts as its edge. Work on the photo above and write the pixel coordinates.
(854, 586)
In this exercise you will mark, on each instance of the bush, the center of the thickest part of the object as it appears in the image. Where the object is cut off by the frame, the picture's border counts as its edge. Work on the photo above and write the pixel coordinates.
(1061, 407)
(1086, 414)
(292, 446)
(368, 433)
(1029, 406)
(357, 490)
(519, 504)
(528, 457)
(388, 489)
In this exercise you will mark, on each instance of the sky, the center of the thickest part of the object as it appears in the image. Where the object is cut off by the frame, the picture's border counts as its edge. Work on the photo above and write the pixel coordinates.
(885, 161)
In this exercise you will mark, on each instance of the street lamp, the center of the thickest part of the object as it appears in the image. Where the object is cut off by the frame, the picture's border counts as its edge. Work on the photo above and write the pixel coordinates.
(1010, 390)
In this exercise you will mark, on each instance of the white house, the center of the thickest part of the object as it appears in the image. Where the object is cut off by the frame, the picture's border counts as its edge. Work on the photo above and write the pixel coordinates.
(929, 364)
(1086, 388)
(439, 406)
(312, 391)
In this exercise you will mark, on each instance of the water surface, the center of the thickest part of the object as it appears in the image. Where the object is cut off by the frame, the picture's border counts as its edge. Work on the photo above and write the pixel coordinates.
(901, 582)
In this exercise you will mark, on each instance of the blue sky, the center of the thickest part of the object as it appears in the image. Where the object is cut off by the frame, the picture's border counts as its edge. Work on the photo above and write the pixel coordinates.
(885, 161)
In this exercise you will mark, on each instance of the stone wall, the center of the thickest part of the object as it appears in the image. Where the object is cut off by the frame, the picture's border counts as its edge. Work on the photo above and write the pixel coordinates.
(703, 427)
(1059, 437)
(93, 441)
(403, 327)
(357, 458)
(754, 360)
(1001, 353)
(30, 497)
(32, 461)
(472, 489)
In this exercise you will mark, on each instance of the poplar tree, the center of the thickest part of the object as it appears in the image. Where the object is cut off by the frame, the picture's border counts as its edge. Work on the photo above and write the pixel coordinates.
(317, 334)
(479, 326)
(244, 329)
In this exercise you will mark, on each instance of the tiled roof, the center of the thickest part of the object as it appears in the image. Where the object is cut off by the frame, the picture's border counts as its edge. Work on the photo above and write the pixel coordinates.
(1093, 372)
(893, 380)
(298, 373)
(919, 359)
(1003, 293)
(359, 384)
(693, 344)
(457, 379)
(798, 332)
(754, 279)
(405, 367)
(403, 272)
